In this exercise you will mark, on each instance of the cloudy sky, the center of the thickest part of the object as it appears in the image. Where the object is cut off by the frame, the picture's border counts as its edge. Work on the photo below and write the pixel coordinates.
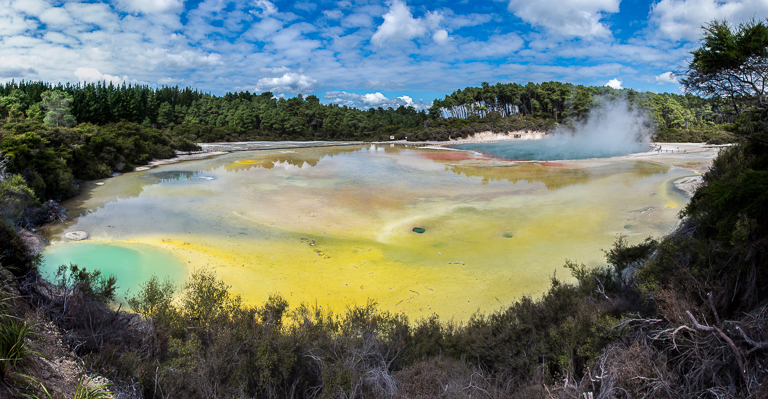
(359, 53)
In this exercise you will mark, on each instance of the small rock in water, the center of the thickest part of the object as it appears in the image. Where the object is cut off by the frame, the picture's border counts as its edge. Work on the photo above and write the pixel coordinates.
(76, 235)
(419, 230)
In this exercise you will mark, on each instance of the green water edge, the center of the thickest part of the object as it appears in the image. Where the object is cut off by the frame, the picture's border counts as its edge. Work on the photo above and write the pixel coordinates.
(131, 264)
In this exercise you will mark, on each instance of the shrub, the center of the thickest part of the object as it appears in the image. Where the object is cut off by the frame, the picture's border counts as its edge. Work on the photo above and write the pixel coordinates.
(14, 254)
(92, 284)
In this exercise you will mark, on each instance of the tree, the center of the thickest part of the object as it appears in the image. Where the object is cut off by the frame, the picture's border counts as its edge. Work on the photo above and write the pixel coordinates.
(58, 105)
(731, 64)
(34, 113)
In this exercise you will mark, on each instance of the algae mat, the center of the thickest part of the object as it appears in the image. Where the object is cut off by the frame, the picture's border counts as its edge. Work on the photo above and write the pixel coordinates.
(422, 231)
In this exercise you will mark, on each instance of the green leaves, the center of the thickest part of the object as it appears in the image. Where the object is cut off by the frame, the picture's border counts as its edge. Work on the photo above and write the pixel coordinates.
(733, 63)
(57, 104)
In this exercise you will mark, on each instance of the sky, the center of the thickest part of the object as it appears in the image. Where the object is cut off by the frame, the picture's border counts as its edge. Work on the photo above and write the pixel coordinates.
(358, 53)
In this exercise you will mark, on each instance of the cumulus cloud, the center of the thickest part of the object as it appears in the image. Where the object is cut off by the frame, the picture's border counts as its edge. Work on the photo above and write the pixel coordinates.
(399, 24)
(573, 18)
(666, 77)
(440, 36)
(374, 99)
(266, 6)
(14, 24)
(371, 100)
(151, 6)
(682, 19)
(614, 83)
(92, 75)
(290, 82)
(30, 7)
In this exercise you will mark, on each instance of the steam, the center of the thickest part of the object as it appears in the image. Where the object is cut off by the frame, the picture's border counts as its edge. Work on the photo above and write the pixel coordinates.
(612, 128)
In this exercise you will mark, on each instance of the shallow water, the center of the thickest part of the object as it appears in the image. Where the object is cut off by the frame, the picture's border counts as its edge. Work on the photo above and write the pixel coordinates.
(338, 225)
(553, 148)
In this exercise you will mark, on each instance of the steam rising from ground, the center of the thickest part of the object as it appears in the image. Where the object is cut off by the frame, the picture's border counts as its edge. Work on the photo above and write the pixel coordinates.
(611, 129)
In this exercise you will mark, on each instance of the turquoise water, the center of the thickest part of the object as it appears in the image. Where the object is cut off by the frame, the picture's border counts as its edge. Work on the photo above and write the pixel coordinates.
(132, 264)
(551, 149)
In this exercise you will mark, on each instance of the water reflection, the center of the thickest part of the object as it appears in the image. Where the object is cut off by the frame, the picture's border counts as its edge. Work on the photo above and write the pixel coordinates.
(553, 177)
(309, 157)
(168, 176)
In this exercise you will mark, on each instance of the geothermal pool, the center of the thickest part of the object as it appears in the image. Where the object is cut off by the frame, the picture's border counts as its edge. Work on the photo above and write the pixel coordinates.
(422, 231)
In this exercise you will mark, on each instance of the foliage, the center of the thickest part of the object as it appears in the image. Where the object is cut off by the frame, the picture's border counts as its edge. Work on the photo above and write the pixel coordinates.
(15, 196)
(57, 104)
(732, 63)
(15, 334)
(90, 284)
(153, 300)
(14, 254)
(87, 388)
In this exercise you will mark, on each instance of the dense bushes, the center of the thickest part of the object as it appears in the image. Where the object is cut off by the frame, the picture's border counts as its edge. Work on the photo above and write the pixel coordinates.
(50, 159)
(14, 254)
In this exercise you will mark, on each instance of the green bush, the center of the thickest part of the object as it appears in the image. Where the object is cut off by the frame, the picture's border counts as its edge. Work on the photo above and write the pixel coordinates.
(15, 196)
(14, 254)
(91, 284)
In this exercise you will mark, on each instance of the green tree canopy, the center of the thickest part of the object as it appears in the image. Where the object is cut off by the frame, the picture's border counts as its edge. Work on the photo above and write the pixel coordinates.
(58, 104)
(731, 63)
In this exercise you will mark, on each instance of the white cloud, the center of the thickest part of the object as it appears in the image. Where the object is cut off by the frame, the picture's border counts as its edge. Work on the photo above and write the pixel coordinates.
(184, 59)
(407, 100)
(682, 19)
(666, 77)
(276, 70)
(151, 6)
(372, 100)
(56, 16)
(290, 82)
(92, 75)
(399, 24)
(14, 24)
(614, 83)
(357, 20)
(333, 14)
(30, 7)
(305, 6)
(267, 7)
(440, 36)
(496, 46)
(573, 18)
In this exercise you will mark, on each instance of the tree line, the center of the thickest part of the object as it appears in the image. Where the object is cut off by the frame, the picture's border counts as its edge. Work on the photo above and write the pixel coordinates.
(199, 116)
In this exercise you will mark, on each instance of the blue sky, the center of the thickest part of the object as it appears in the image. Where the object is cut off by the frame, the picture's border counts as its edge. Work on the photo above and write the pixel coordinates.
(358, 53)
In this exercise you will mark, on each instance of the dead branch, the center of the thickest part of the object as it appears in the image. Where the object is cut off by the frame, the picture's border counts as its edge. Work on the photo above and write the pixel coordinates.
(755, 345)
(719, 332)
(601, 290)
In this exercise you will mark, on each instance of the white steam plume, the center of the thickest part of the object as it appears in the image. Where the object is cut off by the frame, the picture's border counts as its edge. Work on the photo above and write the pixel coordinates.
(612, 127)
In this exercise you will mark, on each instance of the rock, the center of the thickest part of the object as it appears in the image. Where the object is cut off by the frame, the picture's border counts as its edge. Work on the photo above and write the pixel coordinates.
(76, 235)
(689, 185)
